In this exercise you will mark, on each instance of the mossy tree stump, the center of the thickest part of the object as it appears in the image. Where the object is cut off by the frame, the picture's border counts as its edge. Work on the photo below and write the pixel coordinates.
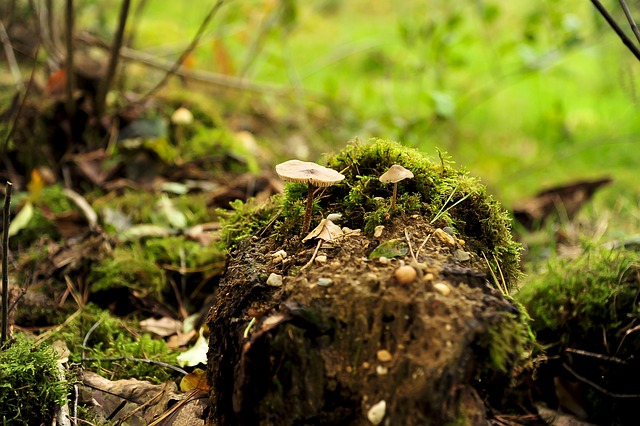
(342, 335)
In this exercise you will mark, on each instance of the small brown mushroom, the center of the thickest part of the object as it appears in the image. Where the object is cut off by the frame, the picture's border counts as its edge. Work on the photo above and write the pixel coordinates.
(395, 174)
(313, 175)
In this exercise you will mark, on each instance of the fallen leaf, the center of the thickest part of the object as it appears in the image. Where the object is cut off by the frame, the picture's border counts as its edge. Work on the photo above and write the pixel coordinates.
(22, 219)
(197, 379)
(197, 354)
(163, 327)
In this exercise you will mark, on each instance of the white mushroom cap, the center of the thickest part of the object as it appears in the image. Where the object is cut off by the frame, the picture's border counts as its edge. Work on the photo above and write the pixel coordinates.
(307, 172)
(182, 117)
(395, 174)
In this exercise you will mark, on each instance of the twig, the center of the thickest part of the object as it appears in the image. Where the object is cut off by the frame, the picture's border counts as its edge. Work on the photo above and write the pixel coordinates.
(11, 57)
(313, 256)
(188, 50)
(71, 81)
(413, 256)
(504, 282)
(228, 82)
(144, 360)
(493, 274)
(6, 218)
(596, 355)
(422, 245)
(105, 84)
(632, 23)
(615, 27)
(597, 386)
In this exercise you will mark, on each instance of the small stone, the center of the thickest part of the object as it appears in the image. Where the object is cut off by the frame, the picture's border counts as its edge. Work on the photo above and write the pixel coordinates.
(384, 355)
(274, 280)
(429, 277)
(381, 370)
(366, 365)
(324, 282)
(444, 237)
(377, 231)
(406, 274)
(377, 412)
(384, 260)
(279, 256)
(448, 230)
(321, 259)
(442, 288)
(461, 255)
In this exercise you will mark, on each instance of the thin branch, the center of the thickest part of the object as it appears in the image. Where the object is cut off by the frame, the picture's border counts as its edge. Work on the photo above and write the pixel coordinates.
(632, 23)
(188, 50)
(615, 27)
(228, 82)
(597, 386)
(11, 57)
(105, 84)
(143, 360)
(6, 219)
(596, 355)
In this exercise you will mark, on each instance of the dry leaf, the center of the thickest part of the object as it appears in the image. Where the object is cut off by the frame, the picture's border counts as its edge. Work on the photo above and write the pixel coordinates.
(163, 327)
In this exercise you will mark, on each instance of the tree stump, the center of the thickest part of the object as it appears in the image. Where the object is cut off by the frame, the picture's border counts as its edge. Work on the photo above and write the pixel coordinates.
(344, 341)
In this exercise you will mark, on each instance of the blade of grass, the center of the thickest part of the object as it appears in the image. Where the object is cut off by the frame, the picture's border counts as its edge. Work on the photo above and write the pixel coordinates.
(6, 217)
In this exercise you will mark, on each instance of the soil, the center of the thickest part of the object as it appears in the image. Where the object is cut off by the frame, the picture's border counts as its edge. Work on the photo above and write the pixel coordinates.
(342, 335)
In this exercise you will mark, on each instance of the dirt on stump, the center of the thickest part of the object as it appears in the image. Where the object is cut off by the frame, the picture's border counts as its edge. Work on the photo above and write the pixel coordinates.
(337, 338)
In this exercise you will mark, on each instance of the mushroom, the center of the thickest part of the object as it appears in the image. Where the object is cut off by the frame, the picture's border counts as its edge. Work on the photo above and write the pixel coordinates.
(395, 174)
(181, 118)
(313, 175)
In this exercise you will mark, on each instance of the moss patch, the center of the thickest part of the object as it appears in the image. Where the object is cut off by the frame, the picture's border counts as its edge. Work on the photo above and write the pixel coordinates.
(30, 387)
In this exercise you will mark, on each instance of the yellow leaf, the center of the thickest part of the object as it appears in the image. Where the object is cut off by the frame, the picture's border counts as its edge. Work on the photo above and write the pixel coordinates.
(35, 186)
(197, 379)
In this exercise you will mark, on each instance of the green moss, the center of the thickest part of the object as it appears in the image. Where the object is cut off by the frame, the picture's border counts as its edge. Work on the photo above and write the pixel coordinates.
(365, 202)
(576, 300)
(445, 195)
(111, 337)
(142, 207)
(30, 385)
(131, 267)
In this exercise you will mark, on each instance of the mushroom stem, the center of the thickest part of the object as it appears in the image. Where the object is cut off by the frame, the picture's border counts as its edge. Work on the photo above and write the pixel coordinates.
(395, 195)
(306, 223)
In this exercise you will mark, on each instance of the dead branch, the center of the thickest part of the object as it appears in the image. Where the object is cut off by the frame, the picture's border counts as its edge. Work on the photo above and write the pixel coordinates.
(11, 57)
(113, 58)
(215, 79)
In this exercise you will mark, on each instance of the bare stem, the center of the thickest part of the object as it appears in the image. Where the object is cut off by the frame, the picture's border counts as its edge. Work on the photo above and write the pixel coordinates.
(188, 50)
(6, 219)
(632, 23)
(306, 223)
(614, 25)
(395, 195)
(113, 58)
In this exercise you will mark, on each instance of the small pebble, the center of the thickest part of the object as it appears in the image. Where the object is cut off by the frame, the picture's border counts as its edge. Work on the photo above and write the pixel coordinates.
(384, 355)
(325, 282)
(377, 412)
(406, 274)
(448, 230)
(321, 259)
(274, 280)
(279, 256)
(461, 255)
(377, 231)
(334, 216)
(442, 288)
(429, 277)
(384, 260)
(381, 370)
(366, 365)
